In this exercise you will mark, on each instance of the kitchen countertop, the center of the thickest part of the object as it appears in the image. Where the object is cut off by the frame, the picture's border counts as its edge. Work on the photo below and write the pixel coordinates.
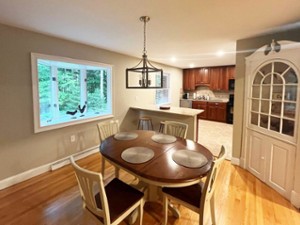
(211, 100)
(172, 110)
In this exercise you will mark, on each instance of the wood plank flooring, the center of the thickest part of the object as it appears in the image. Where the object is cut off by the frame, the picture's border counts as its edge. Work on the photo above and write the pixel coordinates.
(53, 198)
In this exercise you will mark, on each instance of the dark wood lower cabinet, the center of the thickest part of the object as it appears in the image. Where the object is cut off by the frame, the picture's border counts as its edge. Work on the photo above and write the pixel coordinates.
(216, 111)
(201, 105)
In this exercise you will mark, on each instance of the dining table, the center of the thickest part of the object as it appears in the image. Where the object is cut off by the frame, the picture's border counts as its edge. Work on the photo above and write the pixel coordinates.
(158, 160)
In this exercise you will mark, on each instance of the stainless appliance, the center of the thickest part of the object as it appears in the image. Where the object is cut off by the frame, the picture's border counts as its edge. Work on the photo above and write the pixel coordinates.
(186, 103)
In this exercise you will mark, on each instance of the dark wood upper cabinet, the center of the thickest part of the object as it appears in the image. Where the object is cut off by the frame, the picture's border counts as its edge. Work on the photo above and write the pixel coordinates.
(216, 78)
(202, 76)
(230, 72)
(188, 80)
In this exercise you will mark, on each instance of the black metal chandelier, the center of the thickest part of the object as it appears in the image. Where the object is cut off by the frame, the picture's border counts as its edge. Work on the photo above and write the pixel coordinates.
(144, 74)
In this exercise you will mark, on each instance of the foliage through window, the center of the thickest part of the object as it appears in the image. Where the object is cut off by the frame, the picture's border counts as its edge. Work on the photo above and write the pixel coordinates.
(162, 96)
(68, 91)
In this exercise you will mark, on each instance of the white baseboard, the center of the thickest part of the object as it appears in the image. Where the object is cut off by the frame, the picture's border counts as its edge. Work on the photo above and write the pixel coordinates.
(295, 199)
(235, 161)
(7, 182)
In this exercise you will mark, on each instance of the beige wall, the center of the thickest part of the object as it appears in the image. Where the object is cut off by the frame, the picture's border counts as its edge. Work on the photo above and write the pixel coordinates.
(20, 148)
(244, 48)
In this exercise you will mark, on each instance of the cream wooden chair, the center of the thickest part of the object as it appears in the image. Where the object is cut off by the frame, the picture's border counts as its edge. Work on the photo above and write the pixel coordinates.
(113, 202)
(107, 129)
(175, 128)
(198, 197)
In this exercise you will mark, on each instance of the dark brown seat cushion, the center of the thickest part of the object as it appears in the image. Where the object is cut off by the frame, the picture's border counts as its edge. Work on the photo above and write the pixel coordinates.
(120, 197)
(190, 194)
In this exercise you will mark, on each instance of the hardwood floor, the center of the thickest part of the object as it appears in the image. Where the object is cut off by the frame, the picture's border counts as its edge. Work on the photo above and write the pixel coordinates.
(53, 198)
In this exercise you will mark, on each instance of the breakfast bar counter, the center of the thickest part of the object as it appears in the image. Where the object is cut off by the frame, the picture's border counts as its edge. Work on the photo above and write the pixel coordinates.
(184, 115)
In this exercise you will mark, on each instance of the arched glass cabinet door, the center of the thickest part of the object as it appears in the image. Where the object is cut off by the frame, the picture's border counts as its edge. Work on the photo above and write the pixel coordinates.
(274, 98)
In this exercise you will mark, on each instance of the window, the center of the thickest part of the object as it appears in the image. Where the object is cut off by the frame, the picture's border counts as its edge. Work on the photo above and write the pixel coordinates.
(68, 91)
(274, 98)
(162, 96)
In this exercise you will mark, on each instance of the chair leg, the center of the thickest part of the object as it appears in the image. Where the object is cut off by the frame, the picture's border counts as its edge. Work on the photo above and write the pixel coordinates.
(103, 167)
(212, 210)
(166, 208)
(141, 212)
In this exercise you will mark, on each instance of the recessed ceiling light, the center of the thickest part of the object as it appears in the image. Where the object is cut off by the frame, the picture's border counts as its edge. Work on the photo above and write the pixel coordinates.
(173, 59)
(192, 65)
(220, 53)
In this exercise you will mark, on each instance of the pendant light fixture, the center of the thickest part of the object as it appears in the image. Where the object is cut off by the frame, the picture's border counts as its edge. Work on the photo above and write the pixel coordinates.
(144, 74)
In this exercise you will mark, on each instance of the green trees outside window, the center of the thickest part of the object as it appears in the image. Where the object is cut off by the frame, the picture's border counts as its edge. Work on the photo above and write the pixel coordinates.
(68, 91)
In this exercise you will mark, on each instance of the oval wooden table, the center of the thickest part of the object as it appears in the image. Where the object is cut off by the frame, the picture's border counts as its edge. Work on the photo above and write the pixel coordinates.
(161, 170)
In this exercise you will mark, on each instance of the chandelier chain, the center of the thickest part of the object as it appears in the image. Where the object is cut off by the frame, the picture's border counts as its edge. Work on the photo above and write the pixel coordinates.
(145, 51)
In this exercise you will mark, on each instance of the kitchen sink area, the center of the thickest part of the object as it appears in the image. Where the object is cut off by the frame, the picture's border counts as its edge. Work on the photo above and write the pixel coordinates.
(214, 104)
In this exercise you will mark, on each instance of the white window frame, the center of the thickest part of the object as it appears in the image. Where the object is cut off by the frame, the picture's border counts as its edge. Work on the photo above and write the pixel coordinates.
(35, 90)
(166, 86)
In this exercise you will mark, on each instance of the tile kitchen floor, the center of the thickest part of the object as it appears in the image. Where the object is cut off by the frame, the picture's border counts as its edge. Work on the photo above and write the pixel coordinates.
(213, 135)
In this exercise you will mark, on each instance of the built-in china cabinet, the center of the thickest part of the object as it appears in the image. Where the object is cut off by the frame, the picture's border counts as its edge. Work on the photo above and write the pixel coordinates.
(271, 114)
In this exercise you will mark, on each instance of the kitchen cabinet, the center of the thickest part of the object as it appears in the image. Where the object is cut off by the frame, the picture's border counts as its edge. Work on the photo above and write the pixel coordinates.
(230, 72)
(217, 79)
(200, 105)
(188, 80)
(202, 76)
(216, 111)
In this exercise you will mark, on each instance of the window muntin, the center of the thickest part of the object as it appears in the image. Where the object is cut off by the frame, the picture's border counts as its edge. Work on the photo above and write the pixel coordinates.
(68, 91)
(163, 96)
(273, 98)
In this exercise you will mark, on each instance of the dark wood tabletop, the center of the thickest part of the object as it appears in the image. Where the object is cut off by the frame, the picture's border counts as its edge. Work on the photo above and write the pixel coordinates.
(161, 170)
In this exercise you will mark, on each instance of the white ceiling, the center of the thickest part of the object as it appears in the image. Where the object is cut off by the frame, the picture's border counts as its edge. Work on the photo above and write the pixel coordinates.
(192, 31)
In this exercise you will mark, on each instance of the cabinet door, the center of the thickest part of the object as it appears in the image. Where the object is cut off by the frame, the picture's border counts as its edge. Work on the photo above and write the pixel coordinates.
(188, 80)
(202, 76)
(271, 160)
(211, 111)
(230, 72)
(221, 112)
(256, 158)
(215, 76)
(201, 105)
(216, 111)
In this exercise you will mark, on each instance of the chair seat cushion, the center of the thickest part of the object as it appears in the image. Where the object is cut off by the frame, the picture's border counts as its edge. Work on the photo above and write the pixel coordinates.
(120, 197)
(190, 194)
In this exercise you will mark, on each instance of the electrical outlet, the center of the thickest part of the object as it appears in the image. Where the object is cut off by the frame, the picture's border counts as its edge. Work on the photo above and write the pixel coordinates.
(73, 138)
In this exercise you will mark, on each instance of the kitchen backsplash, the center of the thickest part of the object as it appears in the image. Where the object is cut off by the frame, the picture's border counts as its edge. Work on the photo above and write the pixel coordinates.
(205, 92)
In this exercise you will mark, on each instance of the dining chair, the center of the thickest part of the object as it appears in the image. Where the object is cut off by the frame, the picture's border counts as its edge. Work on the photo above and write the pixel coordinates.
(175, 128)
(107, 129)
(110, 203)
(198, 197)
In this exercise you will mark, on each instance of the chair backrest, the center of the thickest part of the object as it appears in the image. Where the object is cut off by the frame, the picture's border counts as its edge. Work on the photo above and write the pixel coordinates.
(175, 128)
(107, 129)
(90, 183)
(209, 186)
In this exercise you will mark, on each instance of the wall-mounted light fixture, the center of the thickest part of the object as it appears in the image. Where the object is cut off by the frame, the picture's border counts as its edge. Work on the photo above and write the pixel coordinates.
(275, 46)
(144, 74)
